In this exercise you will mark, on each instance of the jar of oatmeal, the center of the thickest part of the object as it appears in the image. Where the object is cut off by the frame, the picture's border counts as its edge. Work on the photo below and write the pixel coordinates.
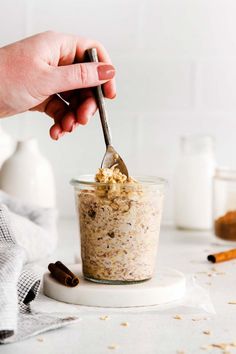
(225, 204)
(119, 228)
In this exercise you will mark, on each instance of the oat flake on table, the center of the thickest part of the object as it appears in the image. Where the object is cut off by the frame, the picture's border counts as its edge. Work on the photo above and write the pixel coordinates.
(113, 346)
(125, 324)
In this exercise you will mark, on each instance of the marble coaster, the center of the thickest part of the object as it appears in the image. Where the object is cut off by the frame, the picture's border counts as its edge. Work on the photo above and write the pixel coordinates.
(166, 286)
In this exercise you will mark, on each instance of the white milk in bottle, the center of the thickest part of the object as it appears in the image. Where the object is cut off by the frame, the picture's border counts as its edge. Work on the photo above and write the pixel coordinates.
(193, 183)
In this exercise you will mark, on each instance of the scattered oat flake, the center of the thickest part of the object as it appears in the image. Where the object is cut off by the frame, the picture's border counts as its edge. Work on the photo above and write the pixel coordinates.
(220, 273)
(206, 347)
(104, 318)
(40, 339)
(113, 346)
(232, 302)
(214, 269)
(178, 317)
(226, 352)
(207, 332)
(233, 344)
(180, 352)
(125, 324)
(222, 346)
(200, 318)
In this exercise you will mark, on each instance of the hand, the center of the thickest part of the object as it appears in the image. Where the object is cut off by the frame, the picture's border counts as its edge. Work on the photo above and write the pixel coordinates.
(35, 70)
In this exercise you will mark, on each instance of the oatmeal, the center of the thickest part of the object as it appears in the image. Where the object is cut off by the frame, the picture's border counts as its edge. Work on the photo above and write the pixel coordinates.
(119, 227)
(112, 175)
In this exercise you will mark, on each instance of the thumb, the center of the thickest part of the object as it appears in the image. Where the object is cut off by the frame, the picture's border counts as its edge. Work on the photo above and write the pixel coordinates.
(76, 76)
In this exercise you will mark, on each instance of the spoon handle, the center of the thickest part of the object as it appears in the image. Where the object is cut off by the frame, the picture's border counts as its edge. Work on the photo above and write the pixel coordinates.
(93, 57)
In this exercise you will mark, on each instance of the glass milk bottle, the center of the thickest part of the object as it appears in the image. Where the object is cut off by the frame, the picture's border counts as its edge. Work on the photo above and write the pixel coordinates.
(193, 183)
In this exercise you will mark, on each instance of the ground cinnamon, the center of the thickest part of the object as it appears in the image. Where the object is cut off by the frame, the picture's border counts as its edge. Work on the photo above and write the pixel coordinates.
(62, 274)
(225, 226)
(222, 256)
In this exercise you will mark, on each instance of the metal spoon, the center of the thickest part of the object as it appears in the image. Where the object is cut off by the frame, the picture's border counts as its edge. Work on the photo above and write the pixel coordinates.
(111, 156)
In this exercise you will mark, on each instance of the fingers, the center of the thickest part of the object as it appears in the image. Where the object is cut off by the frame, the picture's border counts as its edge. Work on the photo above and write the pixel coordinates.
(72, 50)
(109, 88)
(56, 131)
(86, 110)
(80, 108)
(83, 106)
(77, 76)
(55, 107)
(66, 124)
(70, 76)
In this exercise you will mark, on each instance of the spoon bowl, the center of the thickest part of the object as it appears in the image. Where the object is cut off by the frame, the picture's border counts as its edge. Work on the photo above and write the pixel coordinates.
(112, 158)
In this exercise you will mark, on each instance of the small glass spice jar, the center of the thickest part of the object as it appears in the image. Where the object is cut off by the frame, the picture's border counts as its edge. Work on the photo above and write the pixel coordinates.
(225, 204)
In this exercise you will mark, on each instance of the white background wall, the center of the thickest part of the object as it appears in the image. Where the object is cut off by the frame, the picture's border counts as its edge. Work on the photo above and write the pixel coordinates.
(176, 74)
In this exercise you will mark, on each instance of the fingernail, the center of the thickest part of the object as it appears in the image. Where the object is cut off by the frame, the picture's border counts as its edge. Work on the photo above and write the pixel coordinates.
(106, 72)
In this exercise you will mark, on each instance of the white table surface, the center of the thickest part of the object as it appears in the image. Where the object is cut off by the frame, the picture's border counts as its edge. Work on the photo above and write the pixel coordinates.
(152, 331)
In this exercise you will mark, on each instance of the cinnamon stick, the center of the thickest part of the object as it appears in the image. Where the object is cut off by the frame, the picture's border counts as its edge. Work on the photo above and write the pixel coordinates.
(75, 279)
(222, 256)
(61, 273)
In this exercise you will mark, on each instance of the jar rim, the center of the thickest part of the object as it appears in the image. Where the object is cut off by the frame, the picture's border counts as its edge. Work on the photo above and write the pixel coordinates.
(88, 180)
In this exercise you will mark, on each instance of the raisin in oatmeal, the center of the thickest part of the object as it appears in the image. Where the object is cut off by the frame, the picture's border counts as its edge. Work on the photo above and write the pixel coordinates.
(119, 227)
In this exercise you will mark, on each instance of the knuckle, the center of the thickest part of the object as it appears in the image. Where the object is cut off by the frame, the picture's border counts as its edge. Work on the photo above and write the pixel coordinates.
(50, 33)
(82, 74)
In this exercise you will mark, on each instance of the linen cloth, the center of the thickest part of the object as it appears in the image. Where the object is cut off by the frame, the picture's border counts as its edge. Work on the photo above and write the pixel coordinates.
(34, 227)
(19, 285)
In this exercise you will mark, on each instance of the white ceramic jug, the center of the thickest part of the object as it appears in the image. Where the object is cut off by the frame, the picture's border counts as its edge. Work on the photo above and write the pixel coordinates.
(28, 175)
(7, 145)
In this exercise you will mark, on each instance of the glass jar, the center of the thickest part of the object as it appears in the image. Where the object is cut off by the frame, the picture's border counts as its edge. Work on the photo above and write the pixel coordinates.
(193, 183)
(119, 228)
(225, 204)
